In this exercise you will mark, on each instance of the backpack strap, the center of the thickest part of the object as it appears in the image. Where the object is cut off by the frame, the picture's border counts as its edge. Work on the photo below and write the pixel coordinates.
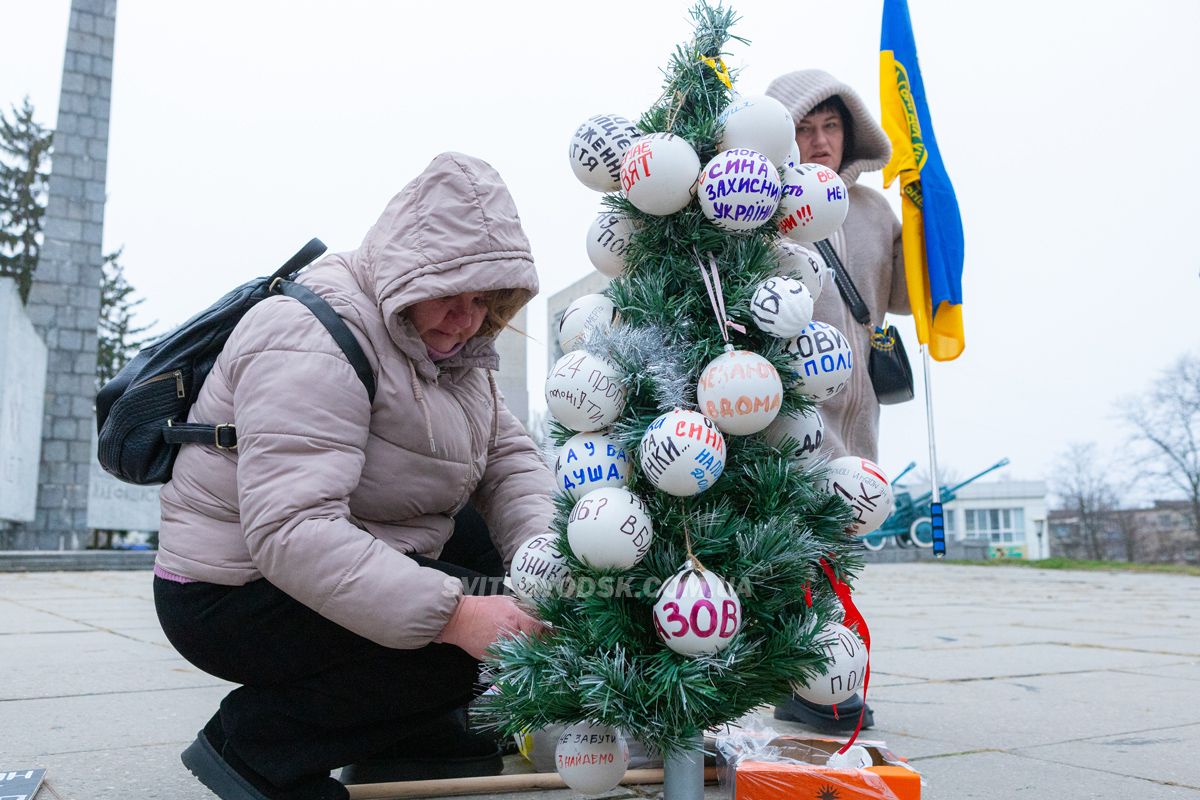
(336, 327)
(304, 256)
(224, 436)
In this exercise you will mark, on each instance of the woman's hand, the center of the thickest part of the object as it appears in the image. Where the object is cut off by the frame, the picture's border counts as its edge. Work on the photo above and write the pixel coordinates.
(477, 622)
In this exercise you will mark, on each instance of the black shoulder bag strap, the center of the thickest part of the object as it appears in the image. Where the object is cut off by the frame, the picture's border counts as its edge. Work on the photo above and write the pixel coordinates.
(887, 363)
(224, 436)
(336, 327)
(849, 291)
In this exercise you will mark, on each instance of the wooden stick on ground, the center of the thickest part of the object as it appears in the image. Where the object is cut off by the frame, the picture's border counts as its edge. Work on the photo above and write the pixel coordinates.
(496, 784)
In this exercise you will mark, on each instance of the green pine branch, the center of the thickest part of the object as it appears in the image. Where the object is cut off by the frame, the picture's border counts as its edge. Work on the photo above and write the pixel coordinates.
(118, 337)
(24, 184)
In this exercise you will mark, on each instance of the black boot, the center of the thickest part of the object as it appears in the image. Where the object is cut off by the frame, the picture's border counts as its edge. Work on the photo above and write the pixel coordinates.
(821, 718)
(441, 748)
(215, 765)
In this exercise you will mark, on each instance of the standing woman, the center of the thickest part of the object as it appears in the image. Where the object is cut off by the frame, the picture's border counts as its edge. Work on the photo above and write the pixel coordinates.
(303, 565)
(833, 128)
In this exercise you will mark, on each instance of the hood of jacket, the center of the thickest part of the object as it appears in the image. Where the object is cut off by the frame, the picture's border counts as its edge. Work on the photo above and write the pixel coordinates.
(805, 89)
(454, 228)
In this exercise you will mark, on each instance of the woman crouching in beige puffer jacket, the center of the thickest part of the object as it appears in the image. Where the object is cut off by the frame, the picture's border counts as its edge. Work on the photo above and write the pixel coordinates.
(302, 565)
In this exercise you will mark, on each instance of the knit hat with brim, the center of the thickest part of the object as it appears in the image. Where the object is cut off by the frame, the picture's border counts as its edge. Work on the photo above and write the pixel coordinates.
(804, 90)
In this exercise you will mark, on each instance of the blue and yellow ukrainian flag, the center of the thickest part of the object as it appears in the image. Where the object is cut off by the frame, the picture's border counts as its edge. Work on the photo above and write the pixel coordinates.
(933, 237)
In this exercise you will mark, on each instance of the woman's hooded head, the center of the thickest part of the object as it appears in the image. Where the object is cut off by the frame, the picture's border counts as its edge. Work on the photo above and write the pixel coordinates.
(453, 229)
(866, 147)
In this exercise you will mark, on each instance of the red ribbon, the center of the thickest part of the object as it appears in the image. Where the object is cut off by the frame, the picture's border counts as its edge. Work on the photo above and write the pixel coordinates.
(853, 618)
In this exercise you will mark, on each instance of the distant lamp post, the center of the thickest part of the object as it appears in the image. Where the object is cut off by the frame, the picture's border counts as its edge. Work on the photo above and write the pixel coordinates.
(1039, 526)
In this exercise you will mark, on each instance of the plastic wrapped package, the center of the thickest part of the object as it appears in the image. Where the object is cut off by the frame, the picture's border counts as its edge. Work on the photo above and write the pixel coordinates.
(757, 763)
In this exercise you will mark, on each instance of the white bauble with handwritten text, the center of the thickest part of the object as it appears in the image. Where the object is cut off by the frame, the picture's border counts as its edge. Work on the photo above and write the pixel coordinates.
(590, 461)
(821, 361)
(805, 432)
(740, 391)
(782, 306)
(805, 265)
(844, 674)
(697, 612)
(793, 157)
(591, 759)
(584, 315)
(584, 392)
(682, 453)
(596, 149)
(610, 528)
(815, 202)
(865, 486)
(607, 239)
(659, 173)
(759, 123)
(739, 189)
(538, 568)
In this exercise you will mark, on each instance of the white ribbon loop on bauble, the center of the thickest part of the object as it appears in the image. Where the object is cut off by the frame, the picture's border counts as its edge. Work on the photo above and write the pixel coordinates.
(713, 284)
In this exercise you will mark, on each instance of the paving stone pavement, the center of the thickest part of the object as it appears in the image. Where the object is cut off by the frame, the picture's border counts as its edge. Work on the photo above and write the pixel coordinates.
(995, 683)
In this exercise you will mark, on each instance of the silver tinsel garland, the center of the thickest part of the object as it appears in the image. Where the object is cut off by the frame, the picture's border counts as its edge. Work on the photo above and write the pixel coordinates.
(652, 356)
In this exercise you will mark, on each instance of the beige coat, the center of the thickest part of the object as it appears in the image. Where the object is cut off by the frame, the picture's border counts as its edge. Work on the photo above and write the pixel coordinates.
(868, 243)
(326, 494)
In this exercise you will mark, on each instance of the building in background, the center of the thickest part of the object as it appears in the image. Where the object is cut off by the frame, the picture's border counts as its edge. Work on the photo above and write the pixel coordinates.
(512, 377)
(1009, 515)
(557, 304)
(1162, 533)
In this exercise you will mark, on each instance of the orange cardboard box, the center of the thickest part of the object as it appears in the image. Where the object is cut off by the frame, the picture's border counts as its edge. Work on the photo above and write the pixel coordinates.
(769, 780)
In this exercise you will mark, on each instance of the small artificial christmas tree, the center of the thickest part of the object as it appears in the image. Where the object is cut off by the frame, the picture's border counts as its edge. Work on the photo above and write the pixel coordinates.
(728, 547)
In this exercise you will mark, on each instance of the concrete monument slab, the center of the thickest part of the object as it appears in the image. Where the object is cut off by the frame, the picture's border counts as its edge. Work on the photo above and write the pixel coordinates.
(114, 505)
(64, 299)
(22, 392)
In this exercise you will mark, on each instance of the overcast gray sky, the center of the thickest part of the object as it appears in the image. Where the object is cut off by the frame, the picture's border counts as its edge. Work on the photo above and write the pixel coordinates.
(241, 129)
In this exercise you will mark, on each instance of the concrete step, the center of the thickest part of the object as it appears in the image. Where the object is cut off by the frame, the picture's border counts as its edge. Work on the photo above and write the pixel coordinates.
(959, 551)
(75, 560)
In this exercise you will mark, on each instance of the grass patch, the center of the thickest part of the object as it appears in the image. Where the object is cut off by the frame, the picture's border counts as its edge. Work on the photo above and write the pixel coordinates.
(1080, 564)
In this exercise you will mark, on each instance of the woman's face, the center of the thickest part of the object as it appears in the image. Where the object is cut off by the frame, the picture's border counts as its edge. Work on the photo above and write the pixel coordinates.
(446, 322)
(820, 137)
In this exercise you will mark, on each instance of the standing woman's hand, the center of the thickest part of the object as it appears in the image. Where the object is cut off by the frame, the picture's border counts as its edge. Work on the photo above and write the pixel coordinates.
(477, 622)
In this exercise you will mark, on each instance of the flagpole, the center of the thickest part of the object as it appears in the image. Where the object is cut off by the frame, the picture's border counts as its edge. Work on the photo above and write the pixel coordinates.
(936, 518)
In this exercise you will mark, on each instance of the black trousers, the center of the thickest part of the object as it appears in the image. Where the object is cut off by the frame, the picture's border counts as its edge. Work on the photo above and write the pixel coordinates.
(314, 696)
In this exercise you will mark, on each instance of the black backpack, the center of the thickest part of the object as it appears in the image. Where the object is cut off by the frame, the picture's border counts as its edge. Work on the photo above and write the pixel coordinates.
(141, 414)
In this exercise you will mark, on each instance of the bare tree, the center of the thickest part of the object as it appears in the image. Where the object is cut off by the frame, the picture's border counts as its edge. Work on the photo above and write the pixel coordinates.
(1166, 425)
(1125, 522)
(1084, 487)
